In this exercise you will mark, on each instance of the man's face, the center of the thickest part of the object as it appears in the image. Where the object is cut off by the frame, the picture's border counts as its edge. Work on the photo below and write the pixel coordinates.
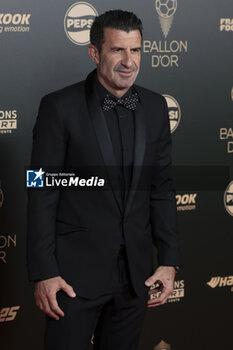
(119, 61)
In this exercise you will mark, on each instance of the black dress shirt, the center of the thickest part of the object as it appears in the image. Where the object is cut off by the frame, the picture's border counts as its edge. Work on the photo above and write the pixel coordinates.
(120, 123)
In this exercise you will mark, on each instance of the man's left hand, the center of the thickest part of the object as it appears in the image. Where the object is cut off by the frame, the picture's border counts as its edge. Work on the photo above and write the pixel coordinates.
(164, 275)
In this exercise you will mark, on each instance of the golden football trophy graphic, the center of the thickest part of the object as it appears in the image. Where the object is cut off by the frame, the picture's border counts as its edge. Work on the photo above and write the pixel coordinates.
(166, 10)
(162, 346)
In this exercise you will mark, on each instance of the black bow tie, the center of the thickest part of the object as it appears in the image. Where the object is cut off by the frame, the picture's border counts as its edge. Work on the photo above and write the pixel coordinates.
(129, 102)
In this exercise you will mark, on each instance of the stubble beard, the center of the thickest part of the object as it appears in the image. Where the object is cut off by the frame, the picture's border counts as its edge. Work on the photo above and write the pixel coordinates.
(116, 81)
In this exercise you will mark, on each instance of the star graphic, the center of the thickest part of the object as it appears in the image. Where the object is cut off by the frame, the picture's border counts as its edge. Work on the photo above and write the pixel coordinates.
(38, 173)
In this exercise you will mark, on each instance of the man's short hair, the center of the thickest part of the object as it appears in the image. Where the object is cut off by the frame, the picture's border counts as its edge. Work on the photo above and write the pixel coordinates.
(116, 19)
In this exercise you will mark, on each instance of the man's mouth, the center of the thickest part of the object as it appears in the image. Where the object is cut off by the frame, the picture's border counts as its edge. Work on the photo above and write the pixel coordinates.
(125, 74)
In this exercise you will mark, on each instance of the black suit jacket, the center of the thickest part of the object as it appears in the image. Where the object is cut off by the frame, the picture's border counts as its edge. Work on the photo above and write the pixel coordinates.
(76, 233)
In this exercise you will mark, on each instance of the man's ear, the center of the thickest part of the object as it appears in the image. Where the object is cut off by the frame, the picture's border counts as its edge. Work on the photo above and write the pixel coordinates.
(94, 54)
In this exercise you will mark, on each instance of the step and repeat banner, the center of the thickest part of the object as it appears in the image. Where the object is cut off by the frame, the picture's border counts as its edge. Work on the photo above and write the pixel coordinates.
(187, 56)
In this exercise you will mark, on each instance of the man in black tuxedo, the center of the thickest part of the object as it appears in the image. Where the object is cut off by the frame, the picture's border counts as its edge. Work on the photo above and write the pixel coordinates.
(90, 252)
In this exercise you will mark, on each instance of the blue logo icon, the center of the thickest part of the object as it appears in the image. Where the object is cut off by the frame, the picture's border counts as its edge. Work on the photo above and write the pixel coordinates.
(35, 178)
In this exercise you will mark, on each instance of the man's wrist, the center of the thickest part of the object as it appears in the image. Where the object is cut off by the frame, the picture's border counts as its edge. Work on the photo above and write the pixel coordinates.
(176, 267)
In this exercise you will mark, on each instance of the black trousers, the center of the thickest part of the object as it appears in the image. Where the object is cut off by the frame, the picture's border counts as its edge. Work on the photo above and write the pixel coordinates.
(115, 319)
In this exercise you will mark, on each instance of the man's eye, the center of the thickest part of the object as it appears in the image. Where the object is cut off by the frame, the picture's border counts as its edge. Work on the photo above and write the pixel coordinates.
(136, 50)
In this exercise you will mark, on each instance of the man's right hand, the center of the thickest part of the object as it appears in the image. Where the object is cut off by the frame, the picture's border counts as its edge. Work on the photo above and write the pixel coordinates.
(45, 295)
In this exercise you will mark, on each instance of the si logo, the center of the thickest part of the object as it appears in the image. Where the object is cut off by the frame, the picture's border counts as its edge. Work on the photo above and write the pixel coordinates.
(174, 112)
(35, 178)
(78, 21)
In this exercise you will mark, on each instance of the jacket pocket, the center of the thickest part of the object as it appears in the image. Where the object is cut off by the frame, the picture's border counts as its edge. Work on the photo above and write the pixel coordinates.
(63, 228)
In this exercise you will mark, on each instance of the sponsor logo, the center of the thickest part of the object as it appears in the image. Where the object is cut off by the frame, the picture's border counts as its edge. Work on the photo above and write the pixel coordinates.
(38, 178)
(162, 346)
(166, 10)
(17, 22)
(178, 292)
(186, 202)
(8, 313)
(165, 53)
(226, 134)
(8, 121)
(221, 282)
(78, 21)
(174, 112)
(226, 25)
(6, 241)
(177, 295)
(228, 198)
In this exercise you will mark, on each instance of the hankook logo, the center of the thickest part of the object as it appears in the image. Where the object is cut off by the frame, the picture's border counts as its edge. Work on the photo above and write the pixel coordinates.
(174, 112)
(14, 22)
(166, 10)
(228, 198)
(78, 21)
(220, 281)
(186, 201)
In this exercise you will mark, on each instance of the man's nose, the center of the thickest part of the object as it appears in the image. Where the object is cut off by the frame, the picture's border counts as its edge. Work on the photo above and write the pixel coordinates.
(127, 59)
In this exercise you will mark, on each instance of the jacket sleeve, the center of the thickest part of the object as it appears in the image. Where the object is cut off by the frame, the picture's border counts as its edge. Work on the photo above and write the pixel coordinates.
(47, 153)
(163, 213)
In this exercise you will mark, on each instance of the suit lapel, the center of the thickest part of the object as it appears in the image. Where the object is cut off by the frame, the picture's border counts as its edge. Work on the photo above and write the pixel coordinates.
(139, 151)
(103, 137)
